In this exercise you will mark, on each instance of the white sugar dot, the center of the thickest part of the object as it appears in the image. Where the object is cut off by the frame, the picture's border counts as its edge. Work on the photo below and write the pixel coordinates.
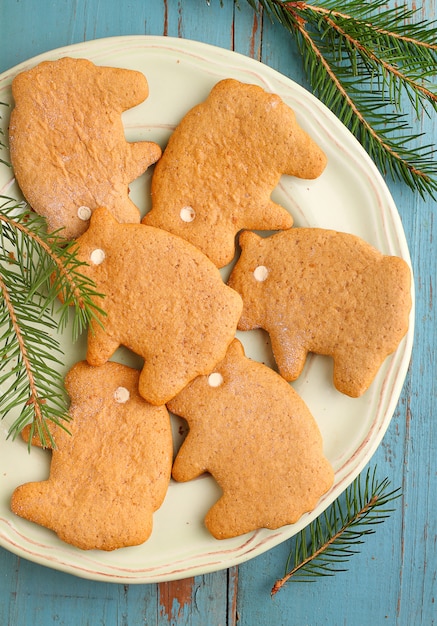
(260, 273)
(84, 213)
(121, 395)
(187, 214)
(97, 256)
(215, 379)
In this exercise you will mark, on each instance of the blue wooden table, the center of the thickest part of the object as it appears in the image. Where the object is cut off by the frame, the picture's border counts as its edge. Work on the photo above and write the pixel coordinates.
(394, 578)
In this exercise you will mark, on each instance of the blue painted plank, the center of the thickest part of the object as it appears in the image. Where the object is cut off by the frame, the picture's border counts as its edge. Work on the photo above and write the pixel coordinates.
(210, 24)
(247, 32)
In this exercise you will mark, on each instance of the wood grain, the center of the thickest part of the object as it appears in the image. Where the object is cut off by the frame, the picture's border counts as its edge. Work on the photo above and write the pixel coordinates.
(174, 597)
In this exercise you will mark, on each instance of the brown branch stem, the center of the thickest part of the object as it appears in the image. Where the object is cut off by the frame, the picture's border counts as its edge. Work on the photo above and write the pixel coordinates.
(281, 581)
(34, 396)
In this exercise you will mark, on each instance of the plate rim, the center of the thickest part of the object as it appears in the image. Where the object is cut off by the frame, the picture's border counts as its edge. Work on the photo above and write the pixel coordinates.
(275, 537)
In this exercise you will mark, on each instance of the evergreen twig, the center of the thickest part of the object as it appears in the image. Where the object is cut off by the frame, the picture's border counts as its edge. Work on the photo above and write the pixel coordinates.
(322, 548)
(365, 62)
(36, 268)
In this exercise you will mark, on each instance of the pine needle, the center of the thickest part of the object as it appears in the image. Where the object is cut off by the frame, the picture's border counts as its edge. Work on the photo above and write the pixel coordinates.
(327, 543)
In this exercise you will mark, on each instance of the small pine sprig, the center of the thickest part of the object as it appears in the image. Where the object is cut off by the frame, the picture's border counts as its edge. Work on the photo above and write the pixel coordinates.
(36, 269)
(327, 543)
(361, 59)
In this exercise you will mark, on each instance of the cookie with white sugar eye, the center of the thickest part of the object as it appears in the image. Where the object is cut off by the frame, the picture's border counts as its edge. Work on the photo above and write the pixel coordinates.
(254, 434)
(327, 292)
(111, 471)
(222, 163)
(68, 145)
(163, 299)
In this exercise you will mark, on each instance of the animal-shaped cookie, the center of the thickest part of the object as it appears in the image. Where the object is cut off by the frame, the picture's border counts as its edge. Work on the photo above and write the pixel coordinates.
(258, 439)
(322, 291)
(67, 142)
(111, 471)
(222, 163)
(164, 300)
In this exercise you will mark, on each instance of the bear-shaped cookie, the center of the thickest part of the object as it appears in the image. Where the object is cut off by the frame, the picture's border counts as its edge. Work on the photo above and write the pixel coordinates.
(327, 292)
(163, 299)
(67, 141)
(254, 434)
(222, 163)
(111, 471)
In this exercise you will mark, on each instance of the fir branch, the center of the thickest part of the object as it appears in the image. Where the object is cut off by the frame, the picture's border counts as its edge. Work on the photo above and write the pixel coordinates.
(36, 269)
(31, 382)
(364, 61)
(322, 548)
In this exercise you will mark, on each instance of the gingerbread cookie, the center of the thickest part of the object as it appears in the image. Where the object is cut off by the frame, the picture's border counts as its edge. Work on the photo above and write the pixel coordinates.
(67, 142)
(109, 475)
(322, 291)
(164, 300)
(258, 439)
(221, 165)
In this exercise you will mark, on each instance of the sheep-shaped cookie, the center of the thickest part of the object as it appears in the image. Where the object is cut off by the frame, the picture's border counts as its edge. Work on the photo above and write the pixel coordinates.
(67, 141)
(322, 291)
(222, 163)
(254, 434)
(111, 471)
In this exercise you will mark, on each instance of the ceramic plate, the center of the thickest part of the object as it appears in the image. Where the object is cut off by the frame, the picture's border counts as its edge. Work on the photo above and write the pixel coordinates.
(350, 196)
